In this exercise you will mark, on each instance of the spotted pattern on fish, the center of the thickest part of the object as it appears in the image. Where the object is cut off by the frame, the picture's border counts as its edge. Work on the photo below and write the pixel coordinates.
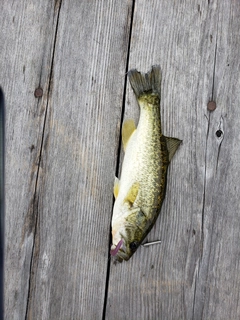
(142, 187)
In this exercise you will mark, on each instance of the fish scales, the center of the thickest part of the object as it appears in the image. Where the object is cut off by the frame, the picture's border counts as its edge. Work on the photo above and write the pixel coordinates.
(151, 158)
(141, 190)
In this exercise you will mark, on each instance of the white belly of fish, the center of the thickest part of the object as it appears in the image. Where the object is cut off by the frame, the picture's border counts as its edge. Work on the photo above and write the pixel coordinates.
(130, 174)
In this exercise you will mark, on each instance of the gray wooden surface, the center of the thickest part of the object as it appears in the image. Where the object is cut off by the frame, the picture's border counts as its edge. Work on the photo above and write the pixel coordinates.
(62, 152)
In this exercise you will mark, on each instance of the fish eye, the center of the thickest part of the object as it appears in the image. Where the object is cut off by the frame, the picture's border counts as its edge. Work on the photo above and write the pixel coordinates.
(133, 245)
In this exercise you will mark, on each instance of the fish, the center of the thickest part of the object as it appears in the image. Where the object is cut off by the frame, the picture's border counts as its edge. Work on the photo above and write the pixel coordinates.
(140, 191)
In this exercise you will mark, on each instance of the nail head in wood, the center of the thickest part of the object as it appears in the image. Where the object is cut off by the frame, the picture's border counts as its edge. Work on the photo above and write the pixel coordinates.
(211, 105)
(38, 93)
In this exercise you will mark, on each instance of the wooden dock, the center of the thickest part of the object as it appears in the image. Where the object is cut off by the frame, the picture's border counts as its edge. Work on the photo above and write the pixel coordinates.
(63, 67)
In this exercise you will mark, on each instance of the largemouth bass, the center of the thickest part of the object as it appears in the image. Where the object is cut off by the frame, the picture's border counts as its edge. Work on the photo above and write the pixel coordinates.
(140, 192)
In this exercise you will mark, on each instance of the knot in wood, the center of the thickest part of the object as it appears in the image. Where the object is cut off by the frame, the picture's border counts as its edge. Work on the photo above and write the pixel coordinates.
(219, 133)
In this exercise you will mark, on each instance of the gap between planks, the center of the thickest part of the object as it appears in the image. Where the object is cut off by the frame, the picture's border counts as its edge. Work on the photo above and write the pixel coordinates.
(118, 153)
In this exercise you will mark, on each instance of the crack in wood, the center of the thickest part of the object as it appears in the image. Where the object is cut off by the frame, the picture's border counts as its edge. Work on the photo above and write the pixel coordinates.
(202, 285)
(204, 187)
(214, 68)
(220, 140)
(194, 294)
(203, 222)
(34, 202)
(215, 60)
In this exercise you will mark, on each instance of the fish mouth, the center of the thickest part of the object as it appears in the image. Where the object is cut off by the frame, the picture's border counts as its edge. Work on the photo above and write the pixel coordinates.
(114, 251)
(119, 252)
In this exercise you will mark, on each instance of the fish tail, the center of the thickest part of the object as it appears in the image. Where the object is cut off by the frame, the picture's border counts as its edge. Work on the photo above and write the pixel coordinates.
(142, 83)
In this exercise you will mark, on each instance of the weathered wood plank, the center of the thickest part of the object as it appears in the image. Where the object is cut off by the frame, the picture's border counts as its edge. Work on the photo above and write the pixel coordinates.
(194, 273)
(58, 213)
(26, 38)
(218, 281)
(78, 162)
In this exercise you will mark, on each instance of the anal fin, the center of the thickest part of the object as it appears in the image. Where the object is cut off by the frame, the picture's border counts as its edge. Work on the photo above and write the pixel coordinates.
(172, 145)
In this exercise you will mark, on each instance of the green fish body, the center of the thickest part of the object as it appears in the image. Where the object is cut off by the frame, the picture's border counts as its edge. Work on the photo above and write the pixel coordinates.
(140, 192)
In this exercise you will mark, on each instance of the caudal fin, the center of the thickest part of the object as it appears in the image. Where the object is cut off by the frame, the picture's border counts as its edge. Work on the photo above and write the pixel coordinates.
(146, 82)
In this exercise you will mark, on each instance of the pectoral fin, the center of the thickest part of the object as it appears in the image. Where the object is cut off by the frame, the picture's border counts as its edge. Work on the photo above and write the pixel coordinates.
(127, 130)
(172, 145)
(132, 193)
(116, 187)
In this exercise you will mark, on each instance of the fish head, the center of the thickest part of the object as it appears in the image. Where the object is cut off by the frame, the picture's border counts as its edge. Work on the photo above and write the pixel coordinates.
(128, 233)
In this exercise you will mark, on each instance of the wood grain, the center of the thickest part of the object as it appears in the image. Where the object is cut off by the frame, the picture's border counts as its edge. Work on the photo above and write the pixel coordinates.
(62, 154)
(78, 161)
(27, 32)
(194, 273)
